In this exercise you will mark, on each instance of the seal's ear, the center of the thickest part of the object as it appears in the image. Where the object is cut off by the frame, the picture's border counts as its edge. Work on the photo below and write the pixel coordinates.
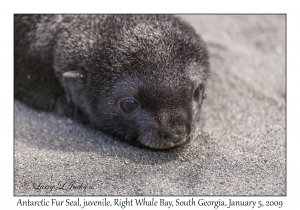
(76, 74)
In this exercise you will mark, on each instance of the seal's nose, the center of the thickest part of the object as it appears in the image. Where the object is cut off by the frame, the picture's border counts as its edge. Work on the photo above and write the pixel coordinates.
(175, 135)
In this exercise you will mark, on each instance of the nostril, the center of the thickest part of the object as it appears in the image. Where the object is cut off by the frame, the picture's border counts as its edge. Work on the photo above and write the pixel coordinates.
(166, 135)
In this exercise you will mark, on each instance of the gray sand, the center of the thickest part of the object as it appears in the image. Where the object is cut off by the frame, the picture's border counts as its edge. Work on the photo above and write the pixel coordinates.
(242, 149)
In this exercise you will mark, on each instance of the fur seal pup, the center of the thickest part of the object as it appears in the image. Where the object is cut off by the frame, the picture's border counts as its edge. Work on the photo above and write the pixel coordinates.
(138, 77)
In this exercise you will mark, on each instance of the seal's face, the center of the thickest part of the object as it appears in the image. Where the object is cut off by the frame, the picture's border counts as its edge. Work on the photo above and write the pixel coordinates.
(150, 112)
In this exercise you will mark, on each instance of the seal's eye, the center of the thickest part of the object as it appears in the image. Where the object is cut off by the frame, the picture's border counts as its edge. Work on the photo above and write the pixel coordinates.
(199, 93)
(129, 106)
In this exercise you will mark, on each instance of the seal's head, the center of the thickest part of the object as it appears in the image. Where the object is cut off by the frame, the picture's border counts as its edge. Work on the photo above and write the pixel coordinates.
(145, 82)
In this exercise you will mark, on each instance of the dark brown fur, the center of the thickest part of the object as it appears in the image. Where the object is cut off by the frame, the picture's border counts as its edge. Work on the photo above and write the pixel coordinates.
(83, 65)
